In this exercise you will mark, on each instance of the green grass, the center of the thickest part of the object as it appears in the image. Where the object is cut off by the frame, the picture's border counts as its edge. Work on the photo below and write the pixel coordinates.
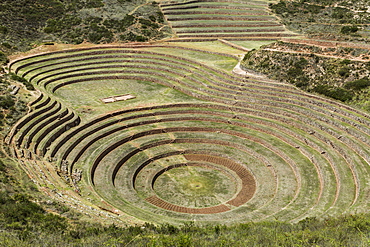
(194, 187)
(217, 22)
(248, 4)
(215, 16)
(252, 44)
(233, 12)
(206, 58)
(81, 96)
(225, 29)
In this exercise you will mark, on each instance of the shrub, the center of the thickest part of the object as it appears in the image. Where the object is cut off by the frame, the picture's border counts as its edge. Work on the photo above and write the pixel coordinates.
(249, 54)
(279, 8)
(17, 78)
(160, 17)
(148, 23)
(315, 9)
(3, 58)
(294, 72)
(111, 23)
(63, 24)
(2, 166)
(3, 29)
(7, 45)
(345, 62)
(95, 37)
(128, 20)
(130, 36)
(99, 33)
(140, 38)
(344, 71)
(302, 82)
(28, 85)
(6, 102)
(334, 92)
(53, 223)
(51, 26)
(341, 13)
(301, 63)
(94, 4)
(152, 18)
(349, 29)
(358, 84)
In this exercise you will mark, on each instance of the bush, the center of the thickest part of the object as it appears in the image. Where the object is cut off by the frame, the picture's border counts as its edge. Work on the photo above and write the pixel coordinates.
(3, 29)
(345, 61)
(111, 23)
(17, 78)
(3, 58)
(294, 72)
(302, 82)
(315, 9)
(140, 38)
(99, 33)
(133, 37)
(28, 85)
(6, 102)
(160, 17)
(301, 63)
(127, 21)
(349, 29)
(334, 92)
(148, 23)
(63, 24)
(358, 84)
(344, 71)
(250, 53)
(2, 166)
(341, 13)
(94, 4)
(279, 8)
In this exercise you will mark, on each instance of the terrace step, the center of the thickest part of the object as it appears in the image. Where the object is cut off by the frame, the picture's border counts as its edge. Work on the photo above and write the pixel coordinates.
(211, 14)
(36, 117)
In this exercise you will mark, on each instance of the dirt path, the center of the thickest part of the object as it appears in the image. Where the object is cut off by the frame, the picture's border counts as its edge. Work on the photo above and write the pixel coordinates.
(318, 54)
(134, 10)
(327, 43)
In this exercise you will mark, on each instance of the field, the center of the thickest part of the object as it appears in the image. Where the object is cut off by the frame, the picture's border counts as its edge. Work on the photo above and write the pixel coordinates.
(199, 142)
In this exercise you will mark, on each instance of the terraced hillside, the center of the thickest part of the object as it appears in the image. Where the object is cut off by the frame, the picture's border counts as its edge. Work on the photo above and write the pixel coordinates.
(197, 143)
(222, 19)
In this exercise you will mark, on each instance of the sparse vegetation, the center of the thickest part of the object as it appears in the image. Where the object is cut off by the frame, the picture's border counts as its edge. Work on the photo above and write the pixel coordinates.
(11, 107)
(338, 19)
(3, 58)
(337, 78)
(25, 23)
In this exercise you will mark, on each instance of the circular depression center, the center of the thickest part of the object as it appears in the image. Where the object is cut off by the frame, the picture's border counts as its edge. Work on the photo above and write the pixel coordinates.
(205, 185)
(195, 186)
